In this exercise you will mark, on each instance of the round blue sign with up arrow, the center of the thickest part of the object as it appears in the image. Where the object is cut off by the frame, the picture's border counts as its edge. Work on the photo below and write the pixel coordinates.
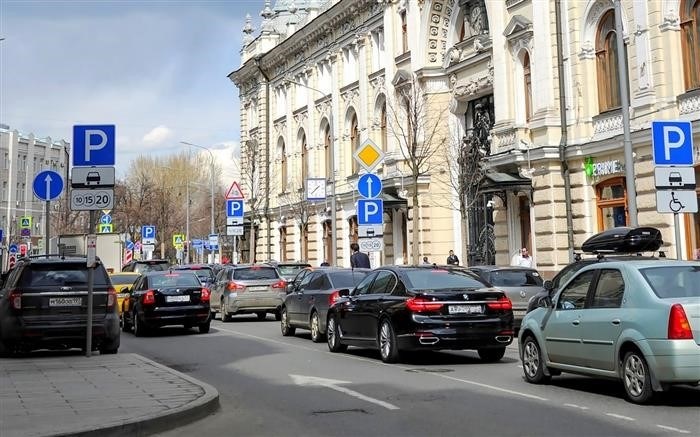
(47, 185)
(369, 185)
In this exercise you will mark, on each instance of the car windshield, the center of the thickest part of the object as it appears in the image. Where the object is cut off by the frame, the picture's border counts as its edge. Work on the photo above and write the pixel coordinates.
(347, 279)
(290, 270)
(185, 279)
(673, 281)
(123, 279)
(202, 274)
(151, 267)
(62, 275)
(438, 279)
(252, 273)
(515, 278)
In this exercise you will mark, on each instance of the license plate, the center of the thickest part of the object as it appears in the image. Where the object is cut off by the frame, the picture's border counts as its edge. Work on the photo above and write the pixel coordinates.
(519, 312)
(122, 295)
(465, 309)
(65, 301)
(177, 298)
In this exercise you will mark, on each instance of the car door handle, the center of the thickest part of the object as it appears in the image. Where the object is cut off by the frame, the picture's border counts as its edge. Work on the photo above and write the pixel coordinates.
(616, 321)
(576, 322)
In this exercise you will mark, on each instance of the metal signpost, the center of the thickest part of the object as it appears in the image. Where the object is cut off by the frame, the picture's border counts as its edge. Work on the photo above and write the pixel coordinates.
(235, 206)
(674, 174)
(47, 186)
(370, 209)
(92, 189)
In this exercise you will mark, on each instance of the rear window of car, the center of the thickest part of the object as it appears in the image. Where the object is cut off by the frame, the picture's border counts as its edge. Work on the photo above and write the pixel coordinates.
(61, 275)
(123, 279)
(204, 274)
(673, 281)
(438, 279)
(290, 270)
(251, 273)
(180, 279)
(151, 267)
(346, 279)
(515, 278)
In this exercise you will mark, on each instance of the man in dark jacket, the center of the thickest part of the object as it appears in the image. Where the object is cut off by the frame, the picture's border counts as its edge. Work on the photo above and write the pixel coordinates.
(358, 259)
(452, 259)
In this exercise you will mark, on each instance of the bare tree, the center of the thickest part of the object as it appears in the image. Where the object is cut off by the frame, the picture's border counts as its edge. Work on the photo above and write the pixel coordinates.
(252, 180)
(298, 208)
(417, 126)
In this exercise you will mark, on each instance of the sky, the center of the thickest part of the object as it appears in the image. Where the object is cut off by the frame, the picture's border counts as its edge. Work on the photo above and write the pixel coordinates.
(155, 69)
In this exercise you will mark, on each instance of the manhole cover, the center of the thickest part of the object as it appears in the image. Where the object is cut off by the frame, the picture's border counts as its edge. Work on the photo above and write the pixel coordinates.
(430, 370)
(352, 410)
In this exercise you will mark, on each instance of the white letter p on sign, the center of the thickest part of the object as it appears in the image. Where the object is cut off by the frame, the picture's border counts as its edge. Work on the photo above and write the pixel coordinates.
(668, 144)
(88, 146)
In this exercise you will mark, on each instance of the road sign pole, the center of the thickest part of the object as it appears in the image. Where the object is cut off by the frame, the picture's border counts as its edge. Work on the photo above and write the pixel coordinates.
(48, 228)
(90, 287)
(677, 227)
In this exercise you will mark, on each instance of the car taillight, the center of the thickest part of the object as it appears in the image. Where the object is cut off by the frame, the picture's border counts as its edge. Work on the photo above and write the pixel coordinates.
(678, 324)
(333, 297)
(205, 295)
(280, 284)
(15, 298)
(149, 298)
(422, 305)
(502, 304)
(111, 297)
(233, 285)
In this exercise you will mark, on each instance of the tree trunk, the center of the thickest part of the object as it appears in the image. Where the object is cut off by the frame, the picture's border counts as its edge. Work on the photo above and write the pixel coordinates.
(465, 235)
(251, 243)
(415, 237)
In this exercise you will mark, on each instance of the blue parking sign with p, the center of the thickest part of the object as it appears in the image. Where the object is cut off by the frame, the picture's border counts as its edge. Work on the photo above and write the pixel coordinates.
(94, 145)
(370, 212)
(148, 231)
(234, 208)
(672, 142)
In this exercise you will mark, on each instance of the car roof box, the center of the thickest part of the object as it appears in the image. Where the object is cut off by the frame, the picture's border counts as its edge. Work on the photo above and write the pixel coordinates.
(624, 240)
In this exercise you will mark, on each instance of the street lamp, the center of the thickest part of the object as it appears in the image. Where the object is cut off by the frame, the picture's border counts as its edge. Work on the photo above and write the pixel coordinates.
(211, 173)
(331, 158)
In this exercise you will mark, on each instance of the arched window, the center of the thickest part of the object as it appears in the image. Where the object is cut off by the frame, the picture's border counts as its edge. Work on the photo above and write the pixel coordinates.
(354, 141)
(304, 160)
(690, 31)
(283, 243)
(607, 61)
(528, 86)
(327, 150)
(382, 126)
(404, 31)
(283, 172)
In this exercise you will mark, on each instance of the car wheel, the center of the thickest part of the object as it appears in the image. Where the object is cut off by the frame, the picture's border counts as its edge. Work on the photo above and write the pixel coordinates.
(491, 355)
(139, 327)
(5, 351)
(225, 316)
(110, 348)
(278, 315)
(316, 335)
(261, 315)
(333, 335)
(204, 327)
(533, 364)
(126, 325)
(284, 324)
(635, 377)
(388, 349)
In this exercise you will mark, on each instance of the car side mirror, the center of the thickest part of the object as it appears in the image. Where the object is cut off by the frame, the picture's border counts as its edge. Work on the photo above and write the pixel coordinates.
(344, 292)
(545, 302)
(548, 285)
(124, 290)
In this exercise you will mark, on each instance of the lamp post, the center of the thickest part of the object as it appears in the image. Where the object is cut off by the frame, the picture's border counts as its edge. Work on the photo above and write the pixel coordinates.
(331, 158)
(211, 173)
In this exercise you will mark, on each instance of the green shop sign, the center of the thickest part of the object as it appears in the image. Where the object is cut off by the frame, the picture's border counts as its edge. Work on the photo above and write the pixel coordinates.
(595, 169)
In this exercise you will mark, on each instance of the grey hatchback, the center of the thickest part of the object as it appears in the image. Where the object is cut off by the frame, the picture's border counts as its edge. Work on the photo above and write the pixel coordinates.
(248, 289)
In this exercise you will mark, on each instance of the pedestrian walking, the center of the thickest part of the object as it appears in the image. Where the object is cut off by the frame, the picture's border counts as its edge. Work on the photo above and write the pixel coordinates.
(452, 259)
(523, 259)
(358, 259)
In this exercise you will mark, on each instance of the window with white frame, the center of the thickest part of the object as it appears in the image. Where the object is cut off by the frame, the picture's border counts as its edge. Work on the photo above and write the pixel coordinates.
(302, 94)
(6, 161)
(4, 192)
(281, 101)
(378, 51)
(349, 65)
(325, 83)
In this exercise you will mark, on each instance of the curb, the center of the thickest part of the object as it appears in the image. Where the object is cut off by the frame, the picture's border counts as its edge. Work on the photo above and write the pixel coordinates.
(159, 422)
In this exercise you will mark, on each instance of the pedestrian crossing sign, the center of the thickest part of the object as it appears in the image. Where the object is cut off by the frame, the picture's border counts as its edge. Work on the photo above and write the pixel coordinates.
(178, 240)
(25, 222)
(105, 228)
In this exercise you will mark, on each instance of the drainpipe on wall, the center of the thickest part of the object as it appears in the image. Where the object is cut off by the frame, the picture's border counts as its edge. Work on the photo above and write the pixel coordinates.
(565, 172)
(267, 157)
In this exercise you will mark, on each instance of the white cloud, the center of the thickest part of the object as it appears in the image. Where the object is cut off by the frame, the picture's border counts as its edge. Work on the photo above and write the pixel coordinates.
(157, 136)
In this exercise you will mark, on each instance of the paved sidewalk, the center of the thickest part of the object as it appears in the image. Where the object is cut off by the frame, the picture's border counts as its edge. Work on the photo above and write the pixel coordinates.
(122, 394)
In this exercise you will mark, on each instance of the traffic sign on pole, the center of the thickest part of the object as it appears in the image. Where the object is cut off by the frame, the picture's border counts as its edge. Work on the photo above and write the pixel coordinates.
(148, 234)
(47, 185)
(672, 142)
(234, 208)
(370, 212)
(94, 145)
(369, 185)
(234, 191)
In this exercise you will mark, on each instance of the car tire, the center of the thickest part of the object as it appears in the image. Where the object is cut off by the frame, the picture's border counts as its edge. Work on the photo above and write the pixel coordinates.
(126, 326)
(5, 351)
(333, 335)
(636, 378)
(278, 315)
(315, 325)
(491, 355)
(262, 315)
(284, 324)
(388, 347)
(204, 327)
(139, 327)
(110, 348)
(225, 316)
(533, 363)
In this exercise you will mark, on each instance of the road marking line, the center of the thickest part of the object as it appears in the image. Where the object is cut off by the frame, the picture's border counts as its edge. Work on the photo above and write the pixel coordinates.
(670, 428)
(576, 406)
(619, 416)
(336, 385)
(357, 395)
(491, 387)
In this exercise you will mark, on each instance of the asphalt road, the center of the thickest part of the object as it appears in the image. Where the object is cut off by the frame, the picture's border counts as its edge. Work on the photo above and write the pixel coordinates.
(289, 386)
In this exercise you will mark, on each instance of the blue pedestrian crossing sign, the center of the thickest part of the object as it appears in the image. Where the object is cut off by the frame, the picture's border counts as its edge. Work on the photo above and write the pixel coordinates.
(672, 142)
(370, 212)
(369, 185)
(105, 228)
(47, 185)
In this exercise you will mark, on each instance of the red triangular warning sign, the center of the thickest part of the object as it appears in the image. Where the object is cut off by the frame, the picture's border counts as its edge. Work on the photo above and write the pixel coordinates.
(234, 192)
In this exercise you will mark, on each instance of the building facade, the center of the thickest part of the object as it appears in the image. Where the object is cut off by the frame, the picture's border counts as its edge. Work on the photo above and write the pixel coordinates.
(323, 77)
(23, 156)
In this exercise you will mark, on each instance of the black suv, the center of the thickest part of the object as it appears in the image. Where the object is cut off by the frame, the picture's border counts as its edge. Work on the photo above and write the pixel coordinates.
(143, 266)
(43, 304)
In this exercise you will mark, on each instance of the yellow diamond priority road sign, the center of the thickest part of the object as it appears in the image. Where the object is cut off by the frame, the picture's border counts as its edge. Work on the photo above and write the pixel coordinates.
(369, 155)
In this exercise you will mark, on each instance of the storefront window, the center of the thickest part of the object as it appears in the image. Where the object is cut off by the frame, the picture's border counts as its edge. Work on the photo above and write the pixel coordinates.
(612, 204)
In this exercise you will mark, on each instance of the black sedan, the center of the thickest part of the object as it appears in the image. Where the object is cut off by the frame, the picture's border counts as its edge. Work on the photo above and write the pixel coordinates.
(167, 298)
(421, 308)
(307, 303)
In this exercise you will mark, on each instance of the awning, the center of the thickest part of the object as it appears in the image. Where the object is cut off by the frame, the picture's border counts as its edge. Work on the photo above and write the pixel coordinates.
(392, 201)
(497, 181)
